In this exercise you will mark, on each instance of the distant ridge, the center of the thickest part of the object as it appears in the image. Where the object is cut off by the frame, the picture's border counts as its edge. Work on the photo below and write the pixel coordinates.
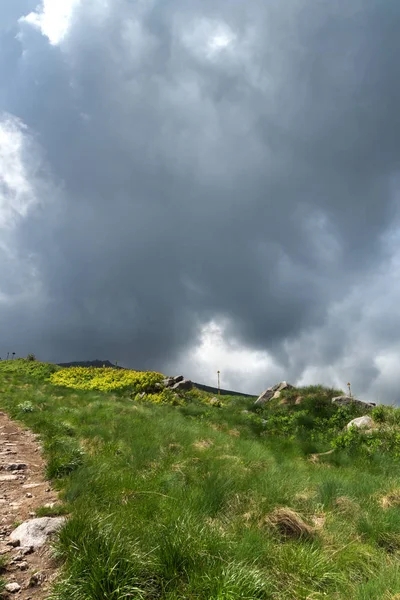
(213, 390)
(90, 363)
(106, 363)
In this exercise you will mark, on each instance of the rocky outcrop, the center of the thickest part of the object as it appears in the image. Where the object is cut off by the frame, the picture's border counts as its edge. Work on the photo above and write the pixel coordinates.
(361, 423)
(272, 393)
(183, 385)
(178, 383)
(346, 400)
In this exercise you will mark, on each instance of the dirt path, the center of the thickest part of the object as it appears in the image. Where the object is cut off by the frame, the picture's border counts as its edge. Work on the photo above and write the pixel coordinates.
(23, 489)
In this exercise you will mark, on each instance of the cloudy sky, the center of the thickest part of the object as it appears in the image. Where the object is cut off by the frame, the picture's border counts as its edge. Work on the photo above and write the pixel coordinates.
(197, 185)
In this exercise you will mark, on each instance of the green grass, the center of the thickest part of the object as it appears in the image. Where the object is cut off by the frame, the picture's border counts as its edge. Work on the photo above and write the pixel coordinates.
(173, 502)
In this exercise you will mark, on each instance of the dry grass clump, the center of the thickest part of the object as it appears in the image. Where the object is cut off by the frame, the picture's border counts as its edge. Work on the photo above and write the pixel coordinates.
(390, 500)
(290, 524)
(346, 505)
(203, 444)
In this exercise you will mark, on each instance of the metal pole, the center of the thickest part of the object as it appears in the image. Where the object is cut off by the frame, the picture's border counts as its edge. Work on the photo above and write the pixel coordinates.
(219, 390)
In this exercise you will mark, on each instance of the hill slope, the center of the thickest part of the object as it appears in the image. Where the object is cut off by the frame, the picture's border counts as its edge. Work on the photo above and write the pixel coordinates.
(106, 363)
(172, 498)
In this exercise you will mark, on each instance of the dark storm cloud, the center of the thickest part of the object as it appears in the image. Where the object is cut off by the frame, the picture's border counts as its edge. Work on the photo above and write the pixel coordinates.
(254, 182)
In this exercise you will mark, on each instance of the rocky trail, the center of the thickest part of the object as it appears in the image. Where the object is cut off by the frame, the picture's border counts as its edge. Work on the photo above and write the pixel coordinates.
(29, 568)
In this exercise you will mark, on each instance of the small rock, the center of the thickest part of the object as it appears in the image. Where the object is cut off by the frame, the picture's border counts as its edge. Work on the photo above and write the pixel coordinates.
(47, 490)
(12, 587)
(361, 423)
(28, 495)
(36, 579)
(35, 532)
(32, 514)
(18, 557)
(13, 543)
(24, 566)
(15, 467)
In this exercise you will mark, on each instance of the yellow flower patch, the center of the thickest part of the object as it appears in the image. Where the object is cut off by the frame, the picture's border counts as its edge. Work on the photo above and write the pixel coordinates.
(106, 379)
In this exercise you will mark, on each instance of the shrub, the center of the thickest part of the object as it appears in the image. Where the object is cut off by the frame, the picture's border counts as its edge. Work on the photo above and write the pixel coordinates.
(106, 379)
(31, 358)
(29, 368)
(26, 407)
(166, 396)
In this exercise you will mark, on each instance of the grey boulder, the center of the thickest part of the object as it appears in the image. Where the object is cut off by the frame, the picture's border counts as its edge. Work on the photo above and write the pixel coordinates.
(184, 384)
(346, 400)
(361, 423)
(272, 392)
(34, 533)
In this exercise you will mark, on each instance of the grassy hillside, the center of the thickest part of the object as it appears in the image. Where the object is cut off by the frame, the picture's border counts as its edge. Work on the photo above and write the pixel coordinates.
(178, 499)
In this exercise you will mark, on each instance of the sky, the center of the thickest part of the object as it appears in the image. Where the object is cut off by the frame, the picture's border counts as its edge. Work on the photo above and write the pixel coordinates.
(200, 186)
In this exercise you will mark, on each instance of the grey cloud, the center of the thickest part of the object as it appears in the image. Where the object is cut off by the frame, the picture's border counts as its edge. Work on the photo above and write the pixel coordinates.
(253, 183)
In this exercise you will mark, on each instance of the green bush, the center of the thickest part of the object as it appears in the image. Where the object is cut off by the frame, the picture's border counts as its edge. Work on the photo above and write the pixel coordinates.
(28, 368)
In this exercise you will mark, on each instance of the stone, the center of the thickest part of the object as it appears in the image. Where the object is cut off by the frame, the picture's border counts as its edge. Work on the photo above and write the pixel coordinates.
(184, 384)
(346, 400)
(361, 423)
(215, 402)
(172, 381)
(36, 579)
(29, 495)
(29, 486)
(24, 566)
(15, 467)
(34, 533)
(12, 587)
(272, 392)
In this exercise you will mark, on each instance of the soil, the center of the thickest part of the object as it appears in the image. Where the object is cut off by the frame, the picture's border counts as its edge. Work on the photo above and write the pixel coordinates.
(23, 489)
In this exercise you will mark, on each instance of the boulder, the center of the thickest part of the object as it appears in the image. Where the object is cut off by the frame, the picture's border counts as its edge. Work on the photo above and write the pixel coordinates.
(345, 400)
(183, 385)
(361, 422)
(172, 381)
(34, 533)
(215, 402)
(272, 392)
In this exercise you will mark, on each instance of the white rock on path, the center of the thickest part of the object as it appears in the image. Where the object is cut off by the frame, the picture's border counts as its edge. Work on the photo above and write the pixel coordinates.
(361, 422)
(34, 533)
(12, 587)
